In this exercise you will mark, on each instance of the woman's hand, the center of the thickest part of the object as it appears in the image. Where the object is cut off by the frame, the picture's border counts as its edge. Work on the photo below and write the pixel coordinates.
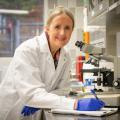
(89, 104)
(27, 111)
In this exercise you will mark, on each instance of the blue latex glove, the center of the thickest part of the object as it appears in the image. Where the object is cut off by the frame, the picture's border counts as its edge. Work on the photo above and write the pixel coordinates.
(27, 111)
(90, 104)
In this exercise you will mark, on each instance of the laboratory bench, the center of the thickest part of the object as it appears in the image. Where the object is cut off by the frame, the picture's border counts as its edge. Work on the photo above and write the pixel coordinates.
(47, 115)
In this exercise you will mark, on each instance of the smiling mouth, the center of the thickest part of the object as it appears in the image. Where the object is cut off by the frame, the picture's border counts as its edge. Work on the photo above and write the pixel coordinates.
(60, 38)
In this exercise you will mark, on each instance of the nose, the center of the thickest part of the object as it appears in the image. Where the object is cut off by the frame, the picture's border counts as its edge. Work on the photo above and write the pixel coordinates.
(62, 32)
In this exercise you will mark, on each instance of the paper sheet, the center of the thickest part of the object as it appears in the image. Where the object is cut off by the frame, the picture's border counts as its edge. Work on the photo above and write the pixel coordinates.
(102, 112)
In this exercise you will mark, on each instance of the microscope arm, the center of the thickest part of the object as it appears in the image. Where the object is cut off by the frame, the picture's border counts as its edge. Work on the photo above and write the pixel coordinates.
(90, 49)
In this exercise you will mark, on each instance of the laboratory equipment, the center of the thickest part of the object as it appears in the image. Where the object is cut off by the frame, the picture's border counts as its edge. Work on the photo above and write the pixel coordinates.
(97, 54)
(110, 78)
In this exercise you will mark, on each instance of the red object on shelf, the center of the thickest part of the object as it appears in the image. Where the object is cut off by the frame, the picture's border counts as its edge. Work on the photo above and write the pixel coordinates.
(79, 66)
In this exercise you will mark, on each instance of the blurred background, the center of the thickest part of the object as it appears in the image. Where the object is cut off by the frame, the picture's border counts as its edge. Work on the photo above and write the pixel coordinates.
(19, 21)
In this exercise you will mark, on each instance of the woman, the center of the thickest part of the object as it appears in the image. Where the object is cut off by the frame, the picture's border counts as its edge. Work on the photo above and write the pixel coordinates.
(39, 67)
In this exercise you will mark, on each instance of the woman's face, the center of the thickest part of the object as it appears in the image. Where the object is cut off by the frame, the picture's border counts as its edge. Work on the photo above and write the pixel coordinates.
(59, 31)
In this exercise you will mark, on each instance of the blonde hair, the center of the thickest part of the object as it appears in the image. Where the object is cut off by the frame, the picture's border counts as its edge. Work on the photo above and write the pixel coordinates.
(57, 11)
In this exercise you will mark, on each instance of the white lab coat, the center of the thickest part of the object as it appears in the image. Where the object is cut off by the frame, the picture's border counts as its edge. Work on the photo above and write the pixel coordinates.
(31, 78)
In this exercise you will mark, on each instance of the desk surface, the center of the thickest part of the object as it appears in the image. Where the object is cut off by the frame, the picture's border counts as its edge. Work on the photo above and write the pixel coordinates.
(49, 116)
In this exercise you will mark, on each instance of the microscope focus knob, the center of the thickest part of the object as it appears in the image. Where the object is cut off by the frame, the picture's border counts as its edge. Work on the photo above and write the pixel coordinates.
(116, 83)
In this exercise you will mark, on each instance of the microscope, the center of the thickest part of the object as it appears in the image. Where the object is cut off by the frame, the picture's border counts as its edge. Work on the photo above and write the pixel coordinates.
(110, 78)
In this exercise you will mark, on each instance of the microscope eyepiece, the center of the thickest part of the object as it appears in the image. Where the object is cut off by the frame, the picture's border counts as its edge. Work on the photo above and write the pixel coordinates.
(79, 44)
(88, 48)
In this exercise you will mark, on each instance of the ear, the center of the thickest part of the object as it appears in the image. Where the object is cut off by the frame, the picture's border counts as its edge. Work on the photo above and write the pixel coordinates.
(46, 28)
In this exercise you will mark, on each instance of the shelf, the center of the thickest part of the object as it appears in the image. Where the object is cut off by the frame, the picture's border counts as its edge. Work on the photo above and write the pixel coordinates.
(97, 16)
(99, 20)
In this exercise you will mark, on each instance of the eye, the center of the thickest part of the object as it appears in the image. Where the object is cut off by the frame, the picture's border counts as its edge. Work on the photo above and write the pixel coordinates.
(67, 28)
(57, 27)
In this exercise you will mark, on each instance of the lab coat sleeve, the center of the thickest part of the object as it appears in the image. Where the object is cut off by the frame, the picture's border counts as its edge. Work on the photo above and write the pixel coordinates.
(29, 85)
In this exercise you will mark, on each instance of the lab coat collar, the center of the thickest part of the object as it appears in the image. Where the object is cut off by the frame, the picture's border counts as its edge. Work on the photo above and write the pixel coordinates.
(44, 47)
(43, 42)
(62, 59)
(63, 56)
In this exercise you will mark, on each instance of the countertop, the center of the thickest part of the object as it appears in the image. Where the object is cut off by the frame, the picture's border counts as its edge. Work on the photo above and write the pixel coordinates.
(50, 116)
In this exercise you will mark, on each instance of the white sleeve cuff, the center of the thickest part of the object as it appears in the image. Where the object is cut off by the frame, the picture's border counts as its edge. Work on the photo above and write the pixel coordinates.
(67, 103)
